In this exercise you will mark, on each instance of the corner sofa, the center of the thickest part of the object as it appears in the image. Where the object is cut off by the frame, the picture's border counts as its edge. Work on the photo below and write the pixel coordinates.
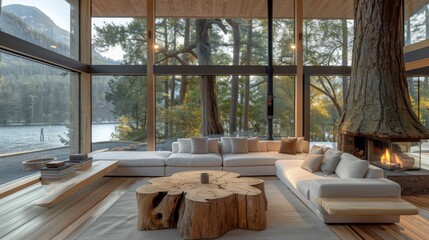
(265, 159)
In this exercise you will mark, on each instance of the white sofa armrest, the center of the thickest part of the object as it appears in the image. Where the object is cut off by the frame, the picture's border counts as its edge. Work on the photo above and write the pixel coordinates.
(374, 172)
(353, 187)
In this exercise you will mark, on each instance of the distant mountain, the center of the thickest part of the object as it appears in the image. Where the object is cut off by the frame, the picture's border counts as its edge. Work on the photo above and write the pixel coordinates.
(31, 24)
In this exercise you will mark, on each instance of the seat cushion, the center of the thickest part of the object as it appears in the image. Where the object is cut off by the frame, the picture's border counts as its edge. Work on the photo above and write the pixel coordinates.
(195, 160)
(300, 178)
(248, 159)
(135, 159)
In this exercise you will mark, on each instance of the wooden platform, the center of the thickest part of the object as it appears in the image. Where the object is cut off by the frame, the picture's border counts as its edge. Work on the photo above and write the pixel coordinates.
(58, 190)
(367, 206)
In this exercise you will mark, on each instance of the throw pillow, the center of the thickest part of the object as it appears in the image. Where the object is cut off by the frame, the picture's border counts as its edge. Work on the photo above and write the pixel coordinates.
(213, 145)
(226, 144)
(351, 167)
(239, 145)
(312, 162)
(316, 150)
(288, 146)
(299, 141)
(253, 144)
(199, 145)
(184, 145)
(330, 161)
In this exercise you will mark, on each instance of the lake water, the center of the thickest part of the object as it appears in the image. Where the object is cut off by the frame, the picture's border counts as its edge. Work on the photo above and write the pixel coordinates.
(25, 138)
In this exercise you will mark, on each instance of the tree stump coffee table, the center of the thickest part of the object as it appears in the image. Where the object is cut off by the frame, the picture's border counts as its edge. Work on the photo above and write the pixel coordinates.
(202, 210)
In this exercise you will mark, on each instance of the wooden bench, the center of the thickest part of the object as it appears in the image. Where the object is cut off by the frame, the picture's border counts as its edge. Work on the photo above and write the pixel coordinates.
(367, 206)
(58, 190)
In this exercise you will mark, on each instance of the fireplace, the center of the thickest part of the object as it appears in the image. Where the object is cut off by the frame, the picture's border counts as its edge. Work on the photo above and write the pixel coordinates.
(393, 155)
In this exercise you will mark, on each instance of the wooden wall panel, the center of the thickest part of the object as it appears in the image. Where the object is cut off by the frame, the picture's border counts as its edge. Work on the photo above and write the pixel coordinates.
(319, 9)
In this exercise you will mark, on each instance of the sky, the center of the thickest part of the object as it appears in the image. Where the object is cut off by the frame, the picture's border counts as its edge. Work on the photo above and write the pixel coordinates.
(57, 10)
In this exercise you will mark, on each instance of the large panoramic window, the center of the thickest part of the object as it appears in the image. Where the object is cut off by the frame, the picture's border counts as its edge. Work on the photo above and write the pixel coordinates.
(284, 106)
(35, 114)
(328, 42)
(326, 107)
(416, 24)
(119, 41)
(119, 112)
(52, 24)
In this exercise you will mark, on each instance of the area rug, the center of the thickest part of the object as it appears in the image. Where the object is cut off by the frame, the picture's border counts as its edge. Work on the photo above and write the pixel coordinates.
(288, 218)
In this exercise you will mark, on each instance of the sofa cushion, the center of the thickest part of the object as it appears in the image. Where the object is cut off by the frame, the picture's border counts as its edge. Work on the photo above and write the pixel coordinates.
(253, 144)
(248, 159)
(312, 162)
(299, 142)
(135, 158)
(184, 145)
(199, 145)
(288, 146)
(273, 146)
(315, 149)
(196, 160)
(263, 146)
(299, 178)
(239, 145)
(226, 144)
(351, 167)
(330, 161)
(213, 145)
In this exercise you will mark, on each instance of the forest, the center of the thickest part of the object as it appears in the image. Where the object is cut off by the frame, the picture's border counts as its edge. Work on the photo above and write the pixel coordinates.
(32, 93)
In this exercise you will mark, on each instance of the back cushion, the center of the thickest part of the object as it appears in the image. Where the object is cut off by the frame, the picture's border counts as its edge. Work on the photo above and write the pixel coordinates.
(226, 144)
(239, 145)
(213, 145)
(184, 145)
(273, 146)
(351, 167)
(253, 144)
(199, 145)
(175, 147)
(262, 146)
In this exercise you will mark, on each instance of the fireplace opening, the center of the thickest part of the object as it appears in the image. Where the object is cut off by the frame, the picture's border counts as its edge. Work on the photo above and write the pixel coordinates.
(393, 155)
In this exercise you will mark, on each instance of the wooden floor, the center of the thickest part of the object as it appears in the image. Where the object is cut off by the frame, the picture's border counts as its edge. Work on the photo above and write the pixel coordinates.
(21, 219)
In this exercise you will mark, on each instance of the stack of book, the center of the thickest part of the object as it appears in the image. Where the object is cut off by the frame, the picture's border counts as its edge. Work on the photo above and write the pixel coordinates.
(57, 170)
(80, 161)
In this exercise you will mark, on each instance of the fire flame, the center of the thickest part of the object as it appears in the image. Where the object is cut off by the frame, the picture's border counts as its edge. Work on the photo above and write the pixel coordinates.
(387, 159)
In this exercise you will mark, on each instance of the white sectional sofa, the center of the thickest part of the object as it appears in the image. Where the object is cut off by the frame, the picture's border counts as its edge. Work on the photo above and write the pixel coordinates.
(263, 158)
(309, 186)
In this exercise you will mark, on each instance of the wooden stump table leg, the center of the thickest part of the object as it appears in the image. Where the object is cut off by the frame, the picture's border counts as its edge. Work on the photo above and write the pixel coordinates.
(157, 210)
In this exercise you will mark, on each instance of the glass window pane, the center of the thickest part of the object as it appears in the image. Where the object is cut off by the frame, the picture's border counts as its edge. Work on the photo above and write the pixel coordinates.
(179, 110)
(119, 112)
(52, 24)
(118, 41)
(35, 114)
(326, 106)
(328, 42)
(284, 106)
(416, 27)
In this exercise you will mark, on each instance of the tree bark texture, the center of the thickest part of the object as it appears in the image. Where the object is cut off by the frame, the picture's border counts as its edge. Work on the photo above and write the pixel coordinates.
(201, 210)
(378, 103)
(210, 116)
